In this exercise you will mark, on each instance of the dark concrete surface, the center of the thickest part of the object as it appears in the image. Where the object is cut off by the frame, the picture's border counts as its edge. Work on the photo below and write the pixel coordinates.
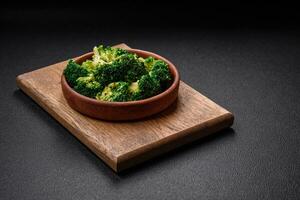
(253, 72)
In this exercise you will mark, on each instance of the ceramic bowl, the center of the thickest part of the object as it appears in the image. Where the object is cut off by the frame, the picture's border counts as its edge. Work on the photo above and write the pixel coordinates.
(120, 111)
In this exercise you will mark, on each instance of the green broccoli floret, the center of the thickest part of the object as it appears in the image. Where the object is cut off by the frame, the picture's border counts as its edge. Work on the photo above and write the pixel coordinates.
(87, 86)
(135, 69)
(144, 88)
(88, 64)
(109, 73)
(117, 91)
(161, 73)
(148, 86)
(135, 92)
(135, 72)
(74, 71)
(149, 62)
(97, 58)
(106, 55)
(127, 68)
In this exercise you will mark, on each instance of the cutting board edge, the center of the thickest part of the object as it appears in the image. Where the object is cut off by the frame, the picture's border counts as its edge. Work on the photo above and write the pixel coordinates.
(171, 142)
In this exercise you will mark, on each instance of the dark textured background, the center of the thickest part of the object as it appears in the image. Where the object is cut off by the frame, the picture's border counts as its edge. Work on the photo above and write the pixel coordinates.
(244, 57)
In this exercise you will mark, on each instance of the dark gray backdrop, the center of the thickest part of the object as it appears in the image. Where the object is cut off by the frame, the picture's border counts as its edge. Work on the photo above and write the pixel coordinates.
(250, 67)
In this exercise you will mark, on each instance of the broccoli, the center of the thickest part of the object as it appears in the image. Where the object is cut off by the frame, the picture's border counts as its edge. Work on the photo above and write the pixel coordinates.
(74, 71)
(135, 72)
(109, 73)
(88, 64)
(126, 68)
(144, 88)
(96, 58)
(115, 74)
(161, 73)
(117, 91)
(105, 55)
(87, 86)
(149, 62)
(134, 69)
(135, 92)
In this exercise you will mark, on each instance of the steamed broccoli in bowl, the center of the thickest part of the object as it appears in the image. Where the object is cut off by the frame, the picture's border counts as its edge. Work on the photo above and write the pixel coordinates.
(117, 75)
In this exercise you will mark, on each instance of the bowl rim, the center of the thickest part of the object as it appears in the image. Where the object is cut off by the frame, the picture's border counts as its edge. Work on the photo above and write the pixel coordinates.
(128, 103)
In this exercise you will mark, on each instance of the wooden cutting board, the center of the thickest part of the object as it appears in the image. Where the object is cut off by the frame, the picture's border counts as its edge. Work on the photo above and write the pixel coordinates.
(122, 145)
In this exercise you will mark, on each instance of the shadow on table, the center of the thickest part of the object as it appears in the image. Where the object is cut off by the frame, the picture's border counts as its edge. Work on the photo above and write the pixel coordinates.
(99, 164)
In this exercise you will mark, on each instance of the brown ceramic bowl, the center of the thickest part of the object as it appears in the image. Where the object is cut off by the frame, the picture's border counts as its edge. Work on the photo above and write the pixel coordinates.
(118, 111)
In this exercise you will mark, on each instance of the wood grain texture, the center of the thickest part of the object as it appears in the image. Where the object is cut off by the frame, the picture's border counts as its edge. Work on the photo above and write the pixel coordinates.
(122, 145)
